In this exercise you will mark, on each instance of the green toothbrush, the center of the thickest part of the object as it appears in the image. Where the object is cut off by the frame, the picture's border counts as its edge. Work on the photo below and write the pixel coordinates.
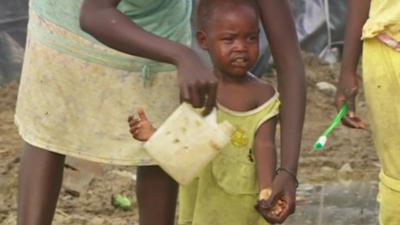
(320, 143)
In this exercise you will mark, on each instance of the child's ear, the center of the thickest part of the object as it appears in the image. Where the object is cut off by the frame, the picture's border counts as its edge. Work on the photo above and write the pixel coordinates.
(202, 40)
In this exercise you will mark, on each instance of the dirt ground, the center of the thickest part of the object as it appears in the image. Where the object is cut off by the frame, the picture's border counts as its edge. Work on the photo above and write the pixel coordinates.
(349, 155)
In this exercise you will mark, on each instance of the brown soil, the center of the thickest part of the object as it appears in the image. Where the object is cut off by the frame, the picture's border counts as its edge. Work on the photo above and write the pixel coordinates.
(349, 155)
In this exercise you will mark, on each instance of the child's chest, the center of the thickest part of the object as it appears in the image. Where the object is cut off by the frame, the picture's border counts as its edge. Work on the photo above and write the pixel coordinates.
(237, 98)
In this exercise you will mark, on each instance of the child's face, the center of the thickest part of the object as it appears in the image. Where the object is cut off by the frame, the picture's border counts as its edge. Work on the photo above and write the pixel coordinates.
(231, 39)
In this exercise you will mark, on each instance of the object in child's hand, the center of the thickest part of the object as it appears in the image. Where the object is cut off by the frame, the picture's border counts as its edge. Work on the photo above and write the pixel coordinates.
(320, 143)
(276, 209)
(186, 142)
(264, 194)
(121, 202)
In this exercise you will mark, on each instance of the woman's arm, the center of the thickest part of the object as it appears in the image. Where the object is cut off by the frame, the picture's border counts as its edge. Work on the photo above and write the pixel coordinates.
(348, 86)
(101, 19)
(281, 33)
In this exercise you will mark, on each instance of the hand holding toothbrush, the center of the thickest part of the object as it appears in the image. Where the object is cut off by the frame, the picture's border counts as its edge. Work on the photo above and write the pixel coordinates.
(345, 104)
(347, 91)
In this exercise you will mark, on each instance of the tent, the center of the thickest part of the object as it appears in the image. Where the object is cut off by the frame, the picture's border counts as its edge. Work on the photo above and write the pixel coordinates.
(320, 28)
(13, 20)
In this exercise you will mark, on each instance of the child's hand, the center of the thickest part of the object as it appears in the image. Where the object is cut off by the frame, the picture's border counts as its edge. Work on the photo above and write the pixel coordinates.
(140, 127)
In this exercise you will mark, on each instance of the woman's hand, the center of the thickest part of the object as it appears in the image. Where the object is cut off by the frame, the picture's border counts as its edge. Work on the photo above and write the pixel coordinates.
(282, 201)
(140, 127)
(263, 206)
(102, 19)
(347, 91)
(198, 85)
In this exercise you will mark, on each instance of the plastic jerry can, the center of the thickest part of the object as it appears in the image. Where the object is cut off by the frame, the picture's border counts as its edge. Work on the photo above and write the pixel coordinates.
(186, 142)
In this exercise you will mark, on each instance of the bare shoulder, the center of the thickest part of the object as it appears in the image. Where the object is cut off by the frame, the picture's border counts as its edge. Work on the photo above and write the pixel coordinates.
(262, 91)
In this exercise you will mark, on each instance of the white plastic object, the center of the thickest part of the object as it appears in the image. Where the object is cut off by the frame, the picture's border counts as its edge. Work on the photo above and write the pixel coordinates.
(186, 142)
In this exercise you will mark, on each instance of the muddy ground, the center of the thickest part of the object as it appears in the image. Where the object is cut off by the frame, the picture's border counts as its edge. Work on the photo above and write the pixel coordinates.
(349, 155)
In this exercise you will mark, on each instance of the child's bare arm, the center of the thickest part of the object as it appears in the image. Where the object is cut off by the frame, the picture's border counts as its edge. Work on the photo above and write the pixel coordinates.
(265, 154)
(140, 127)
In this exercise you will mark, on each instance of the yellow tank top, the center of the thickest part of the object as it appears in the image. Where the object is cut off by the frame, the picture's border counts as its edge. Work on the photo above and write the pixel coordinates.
(234, 168)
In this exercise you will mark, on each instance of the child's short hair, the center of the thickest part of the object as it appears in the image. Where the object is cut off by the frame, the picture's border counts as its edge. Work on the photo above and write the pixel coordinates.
(207, 8)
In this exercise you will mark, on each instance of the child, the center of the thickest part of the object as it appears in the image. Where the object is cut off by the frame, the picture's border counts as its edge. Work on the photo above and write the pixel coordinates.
(231, 185)
(377, 23)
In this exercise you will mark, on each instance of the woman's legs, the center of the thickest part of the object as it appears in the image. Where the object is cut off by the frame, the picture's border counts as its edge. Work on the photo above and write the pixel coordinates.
(156, 194)
(40, 179)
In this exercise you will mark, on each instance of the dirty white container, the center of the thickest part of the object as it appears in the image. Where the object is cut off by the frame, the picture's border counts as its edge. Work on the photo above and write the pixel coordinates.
(186, 142)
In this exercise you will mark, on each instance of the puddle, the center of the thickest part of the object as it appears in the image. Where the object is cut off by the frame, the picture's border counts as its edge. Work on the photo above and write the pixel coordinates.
(339, 203)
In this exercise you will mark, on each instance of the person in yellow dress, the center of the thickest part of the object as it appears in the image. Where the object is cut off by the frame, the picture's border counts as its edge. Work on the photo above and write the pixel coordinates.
(376, 23)
(234, 187)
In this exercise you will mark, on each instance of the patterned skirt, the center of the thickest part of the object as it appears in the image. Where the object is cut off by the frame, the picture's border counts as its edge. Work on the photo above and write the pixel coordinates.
(79, 107)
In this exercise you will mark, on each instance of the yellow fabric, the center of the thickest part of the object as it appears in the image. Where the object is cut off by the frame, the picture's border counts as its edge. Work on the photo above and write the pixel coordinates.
(384, 17)
(389, 205)
(227, 190)
(381, 77)
(390, 182)
(78, 108)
